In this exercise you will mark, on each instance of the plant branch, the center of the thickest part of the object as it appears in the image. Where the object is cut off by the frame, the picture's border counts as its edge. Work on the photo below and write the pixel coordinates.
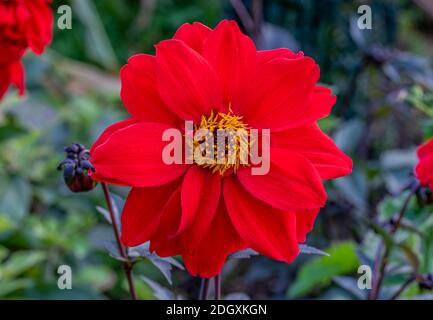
(127, 265)
(403, 209)
(257, 9)
(380, 268)
(217, 283)
(243, 15)
(204, 289)
(408, 282)
(426, 6)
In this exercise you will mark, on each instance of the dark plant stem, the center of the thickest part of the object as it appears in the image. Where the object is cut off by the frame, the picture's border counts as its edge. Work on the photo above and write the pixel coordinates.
(403, 287)
(257, 9)
(217, 282)
(252, 23)
(127, 265)
(403, 209)
(379, 271)
(204, 289)
(381, 260)
(426, 6)
(377, 265)
(243, 15)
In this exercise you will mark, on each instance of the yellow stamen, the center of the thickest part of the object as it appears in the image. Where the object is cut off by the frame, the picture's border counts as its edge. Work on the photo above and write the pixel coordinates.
(229, 129)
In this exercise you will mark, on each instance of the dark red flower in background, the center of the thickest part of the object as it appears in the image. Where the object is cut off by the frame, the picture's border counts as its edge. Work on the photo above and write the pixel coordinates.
(199, 213)
(424, 169)
(23, 24)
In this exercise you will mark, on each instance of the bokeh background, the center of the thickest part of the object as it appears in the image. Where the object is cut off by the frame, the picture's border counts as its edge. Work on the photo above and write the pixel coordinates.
(383, 78)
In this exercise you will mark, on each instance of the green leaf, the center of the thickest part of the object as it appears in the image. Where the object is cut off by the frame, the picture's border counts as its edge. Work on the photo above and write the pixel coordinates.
(117, 203)
(420, 100)
(384, 234)
(164, 265)
(390, 206)
(113, 249)
(15, 199)
(248, 253)
(318, 273)
(8, 287)
(3, 253)
(98, 42)
(160, 292)
(5, 223)
(311, 250)
(349, 135)
(99, 277)
(354, 189)
(411, 256)
(20, 262)
(243, 254)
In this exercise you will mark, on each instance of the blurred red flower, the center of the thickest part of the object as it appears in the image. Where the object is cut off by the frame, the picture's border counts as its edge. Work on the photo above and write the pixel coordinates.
(190, 210)
(23, 24)
(424, 169)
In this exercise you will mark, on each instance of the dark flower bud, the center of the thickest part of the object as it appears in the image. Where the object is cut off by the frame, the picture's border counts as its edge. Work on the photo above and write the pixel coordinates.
(76, 168)
(426, 281)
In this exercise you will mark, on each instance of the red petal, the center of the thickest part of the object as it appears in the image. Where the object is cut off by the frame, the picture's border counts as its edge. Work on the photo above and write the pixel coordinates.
(12, 74)
(193, 35)
(267, 55)
(220, 240)
(142, 213)
(319, 107)
(163, 241)
(423, 170)
(208, 198)
(425, 149)
(133, 156)
(233, 56)
(186, 81)
(200, 194)
(304, 223)
(140, 93)
(267, 230)
(17, 77)
(8, 13)
(310, 142)
(40, 25)
(5, 80)
(109, 131)
(282, 93)
(10, 53)
(292, 183)
(192, 187)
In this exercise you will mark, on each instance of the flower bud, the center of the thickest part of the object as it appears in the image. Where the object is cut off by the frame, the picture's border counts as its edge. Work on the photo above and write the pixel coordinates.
(76, 168)
(426, 281)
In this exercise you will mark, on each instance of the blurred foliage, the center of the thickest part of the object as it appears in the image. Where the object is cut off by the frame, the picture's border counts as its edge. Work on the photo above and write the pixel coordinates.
(319, 273)
(384, 82)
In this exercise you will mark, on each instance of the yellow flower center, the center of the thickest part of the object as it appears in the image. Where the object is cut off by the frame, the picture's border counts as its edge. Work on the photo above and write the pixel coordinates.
(221, 142)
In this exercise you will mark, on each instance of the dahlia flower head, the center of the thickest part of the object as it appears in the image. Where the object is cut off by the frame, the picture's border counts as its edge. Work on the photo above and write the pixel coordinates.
(424, 168)
(23, 24)
(206, 213)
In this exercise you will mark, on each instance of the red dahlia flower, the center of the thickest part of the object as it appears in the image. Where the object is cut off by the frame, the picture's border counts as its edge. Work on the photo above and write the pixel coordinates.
(190, 209)
(23, 24)
(424, 169)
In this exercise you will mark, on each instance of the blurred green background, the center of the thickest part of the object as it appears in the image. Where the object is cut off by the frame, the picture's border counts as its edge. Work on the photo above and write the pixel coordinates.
(383, 78)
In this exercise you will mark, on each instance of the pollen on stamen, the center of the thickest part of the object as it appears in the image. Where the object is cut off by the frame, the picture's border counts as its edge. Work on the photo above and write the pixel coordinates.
(224, 142)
